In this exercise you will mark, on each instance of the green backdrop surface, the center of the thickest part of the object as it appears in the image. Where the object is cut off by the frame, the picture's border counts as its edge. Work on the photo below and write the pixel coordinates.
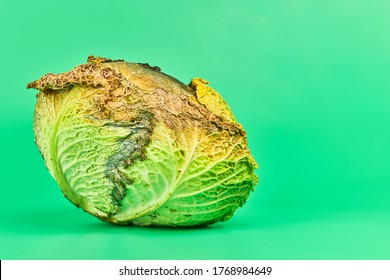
(308, 80)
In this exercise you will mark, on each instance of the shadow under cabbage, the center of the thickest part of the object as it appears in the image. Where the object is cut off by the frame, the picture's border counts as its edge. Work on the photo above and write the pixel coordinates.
(72, 221)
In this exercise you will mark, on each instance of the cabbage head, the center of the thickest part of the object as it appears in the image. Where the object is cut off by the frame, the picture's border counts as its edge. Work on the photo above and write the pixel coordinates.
(132, 145)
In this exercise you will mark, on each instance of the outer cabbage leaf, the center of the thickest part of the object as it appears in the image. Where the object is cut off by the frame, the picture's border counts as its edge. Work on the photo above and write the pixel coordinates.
(188, 180)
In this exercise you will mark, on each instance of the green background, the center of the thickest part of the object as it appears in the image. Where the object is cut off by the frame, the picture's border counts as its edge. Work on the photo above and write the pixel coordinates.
(308, 80)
